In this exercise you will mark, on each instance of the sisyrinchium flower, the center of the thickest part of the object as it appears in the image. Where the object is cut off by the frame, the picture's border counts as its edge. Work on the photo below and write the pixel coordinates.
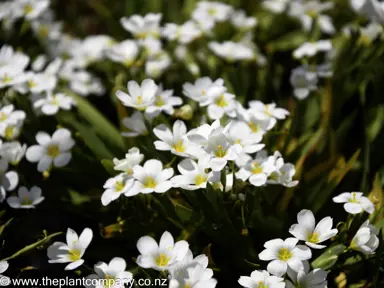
(135, 124)
(51, 151)
(151, 177)
(72, 251)
(365, 240)
(141, 96)
(261, 279)
(283, 254)
(317, 278)
(115, 187)
(26, 199)
(132, 158)
(307, 230)
(53, 102)
(176, 140)
(162, 256)
(111, 275)
(355, 202)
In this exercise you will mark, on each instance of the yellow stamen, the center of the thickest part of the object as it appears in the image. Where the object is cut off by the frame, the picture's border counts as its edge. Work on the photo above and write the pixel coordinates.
(119, 186)
(74, 255)
(200, 179)
(7, 79)
(129, 171)
(313, 237)
(220, 152)
(159, 101)
(353, 199)
(162, 260)
(212, 11)
(3, 116)
(312, 13)
(43, 31)
(26, 201)
(9, 132)
(53, 151)
(221, 101)
(140, 100)
(28, 8)
(31, 84)
(254, 127)
(256, 169)
(284, 254)
(150, 183)
(179, 147)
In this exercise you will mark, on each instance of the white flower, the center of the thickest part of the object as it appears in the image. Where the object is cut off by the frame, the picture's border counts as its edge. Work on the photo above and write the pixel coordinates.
(151, 177)
(232, 51)
(176, 140)
(213, 140)
(164, 101)
(267, 111)
(12, 65)
(184, 33)
(112, 274)
(309, 49)
(317, 278)
(8, 115)
(37, 83)
(132, 158)
(162, 256)
(283, 254)
(240, 133)
(208, 13)
(261, 279)
(91, 49)
(3, 267)
(33, 8)
(252, 117)
(193, 275)
(355, 202)
(53, 102)
(39, 63)
(10, 131)
(114, 187)
(240, 20)
(26, 199)
(142, 27)
(367, 34)
(283, 173)
(8, 180)
(139, 97)
(303, 82)
(306, 230)
(276, 6)
(124, 52)
(84, 83)
(46, 29)
(221, 103)
(365, 239)
(310, 11)
(373, 9)
(193, 175)
(157, 64)
(257, 170)
(72, 251)
(136, 124)
(50, 151)
(13, 152)
(198, 90)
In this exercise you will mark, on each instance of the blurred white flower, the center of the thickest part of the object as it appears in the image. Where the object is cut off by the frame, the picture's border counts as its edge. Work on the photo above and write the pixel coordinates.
(72, 251)
(114, 187)
(303, 82)
(232, 51)
(151, 177)
(283, 173)
(164, 101)
(284, 254)
(26, 199)
(193, 175)
(184, 33)
(124, 52)
(142, 27)
(50, 151)
(136, 124)
(13, 152)
(199, 90)
(112, 274)
(3, 267)
(240, 20)
(157, 64)
(12, 65)
(84, 83)
(355, 202)
(317, 278)
(309, 49)
(240, 133)
(162, 256)
(276, 6)
(222, 103)
(53, 102)
(261, 279)
(365, 239)
(207, 13)
(32, 8)
(8, 115)
(306, 230)
(132, 158)
(373, 9)
(37, 83)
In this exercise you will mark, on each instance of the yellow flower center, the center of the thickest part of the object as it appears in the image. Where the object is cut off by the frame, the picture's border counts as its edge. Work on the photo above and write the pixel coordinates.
(9, 132)
(53, 151)
(262, 285)
(221, 101)
(312, 13)
(142, 35)
(313, 237)
(150, 183)
(220, 152)
(31, 84)
(212, 11)
(284, 254)
(74, 255)
(28, 8)
(109, 281)
(43, 31)
(200, 179)
(353, 199)
(26, 201)
(119, 186)
(3, 116)
(140, 100)
(129, 171)
(162, 260)
(254, 127)
(256, 169)
(364, 40)
(6, 78)
(204, 92)
(266, 110)
(179, 147)
(159, 101)
(127, 63)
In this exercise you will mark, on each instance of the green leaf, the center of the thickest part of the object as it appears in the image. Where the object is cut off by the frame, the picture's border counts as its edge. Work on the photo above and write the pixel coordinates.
(101, 125)
(329, 257)
(77, 198)
(108, 165)
(2, 227)
(288, 41)
(32, 246)
(183, 212)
